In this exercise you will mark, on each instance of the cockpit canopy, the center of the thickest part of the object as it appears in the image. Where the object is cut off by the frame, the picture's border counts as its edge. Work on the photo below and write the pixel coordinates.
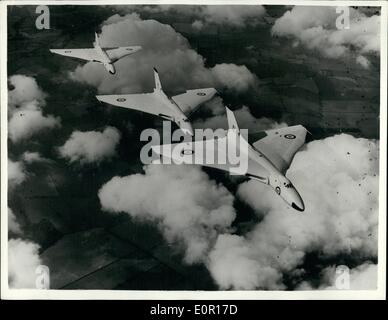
(288, 185)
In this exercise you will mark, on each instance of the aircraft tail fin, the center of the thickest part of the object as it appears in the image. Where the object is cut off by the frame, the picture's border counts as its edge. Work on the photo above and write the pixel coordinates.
(97, 40)
(158, 85)
(232, 122)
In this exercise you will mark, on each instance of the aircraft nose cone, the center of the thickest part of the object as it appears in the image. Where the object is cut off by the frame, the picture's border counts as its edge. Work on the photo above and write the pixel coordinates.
(301, 208)
(295, 200)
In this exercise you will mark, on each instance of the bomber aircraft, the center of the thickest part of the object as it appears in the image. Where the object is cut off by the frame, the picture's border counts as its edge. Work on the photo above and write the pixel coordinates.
(105, 56)
(269, 154)
(176, 109)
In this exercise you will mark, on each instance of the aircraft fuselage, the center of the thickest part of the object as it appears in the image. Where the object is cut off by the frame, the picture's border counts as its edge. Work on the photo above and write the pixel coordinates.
(258, 161)
(179, 117)
(105, 60)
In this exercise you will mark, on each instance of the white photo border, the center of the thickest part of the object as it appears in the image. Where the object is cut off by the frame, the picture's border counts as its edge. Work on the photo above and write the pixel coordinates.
(31, 294)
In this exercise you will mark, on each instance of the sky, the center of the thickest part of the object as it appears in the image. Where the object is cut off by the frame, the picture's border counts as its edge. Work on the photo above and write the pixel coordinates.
(74, 163)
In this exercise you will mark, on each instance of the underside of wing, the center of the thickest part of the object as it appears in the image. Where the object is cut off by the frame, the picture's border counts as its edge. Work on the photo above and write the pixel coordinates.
(280, 145)
(146, 102)
(211, 153)
(189, 101)
(115, 54)
(84, 54)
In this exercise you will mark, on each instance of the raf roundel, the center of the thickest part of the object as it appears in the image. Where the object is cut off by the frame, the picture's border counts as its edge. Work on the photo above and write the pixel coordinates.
(201, 94)
(121, 99)
(187, 152)
(289, 136)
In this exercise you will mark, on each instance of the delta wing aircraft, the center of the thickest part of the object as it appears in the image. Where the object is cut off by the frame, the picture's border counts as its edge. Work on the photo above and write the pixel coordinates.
(269, 155)
(176, 109)
(105, 56)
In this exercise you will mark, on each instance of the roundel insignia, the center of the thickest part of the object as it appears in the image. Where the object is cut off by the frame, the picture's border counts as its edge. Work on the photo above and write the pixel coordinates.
(289, 136)
(187, 152)
(121, 99)
(277, 189)
(201, 94)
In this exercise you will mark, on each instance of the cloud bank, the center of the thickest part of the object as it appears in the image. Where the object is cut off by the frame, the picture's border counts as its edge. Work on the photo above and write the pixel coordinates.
(232, 265)
(23, 90)
(91, 146)
(238, 16)
(189, 208)
(25, 104)
(315, 28)
(179, 66)
(340, 217)
(243, 116)
(23, 259)
(362, 277)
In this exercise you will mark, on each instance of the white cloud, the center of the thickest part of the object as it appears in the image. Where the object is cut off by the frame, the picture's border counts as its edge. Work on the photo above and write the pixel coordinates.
(196, 214)
(362, 277)
(198, 25)
(233, 77)
(364, 62)
(189, 208)
(23, 259)
(25, 123)
(233, 266)
(315, 28)
(180, 67)
(24, 90)
(25, 113)
(243, 116)
(91, 146)
(237, 16)
(30, 157)
(16, 173)
(338, 180)
(13, 225)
